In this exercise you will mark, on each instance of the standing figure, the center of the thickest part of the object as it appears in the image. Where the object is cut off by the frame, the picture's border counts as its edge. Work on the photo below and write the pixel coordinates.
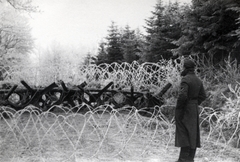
(191, 94)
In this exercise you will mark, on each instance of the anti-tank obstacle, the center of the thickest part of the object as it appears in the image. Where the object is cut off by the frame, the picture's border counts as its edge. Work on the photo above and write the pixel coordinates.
(60, 94)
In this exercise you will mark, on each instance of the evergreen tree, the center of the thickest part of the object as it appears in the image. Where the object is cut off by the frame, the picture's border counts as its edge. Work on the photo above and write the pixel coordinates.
(153, 38)
(208, 30)
(140, 40)
(236, 33)
(162, 29)
(102, 56)
(114, 51)
(129, 45)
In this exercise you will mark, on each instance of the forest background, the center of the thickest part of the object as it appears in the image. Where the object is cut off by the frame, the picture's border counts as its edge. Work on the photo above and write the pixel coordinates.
(206, 29)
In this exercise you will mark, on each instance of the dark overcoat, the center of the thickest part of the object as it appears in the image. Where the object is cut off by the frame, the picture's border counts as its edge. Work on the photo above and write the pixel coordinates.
(191, 94)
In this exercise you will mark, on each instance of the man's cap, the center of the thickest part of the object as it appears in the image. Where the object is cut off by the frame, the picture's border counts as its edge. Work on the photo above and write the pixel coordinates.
(188, 64)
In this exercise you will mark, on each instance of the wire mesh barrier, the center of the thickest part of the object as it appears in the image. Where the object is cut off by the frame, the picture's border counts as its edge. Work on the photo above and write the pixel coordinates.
(149, 76)
(223, 127)
(117, 84)
(64, 113)
(105, 134)
(63, 135)
(117, 111)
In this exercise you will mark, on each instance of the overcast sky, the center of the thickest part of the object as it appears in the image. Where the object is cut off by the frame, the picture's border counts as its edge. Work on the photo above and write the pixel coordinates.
(83, 23)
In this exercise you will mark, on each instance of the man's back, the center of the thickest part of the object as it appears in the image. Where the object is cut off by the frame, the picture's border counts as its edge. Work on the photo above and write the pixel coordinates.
(195, 87)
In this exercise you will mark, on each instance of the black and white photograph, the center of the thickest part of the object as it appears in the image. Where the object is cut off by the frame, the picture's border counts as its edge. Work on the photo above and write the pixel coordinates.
(119, 80)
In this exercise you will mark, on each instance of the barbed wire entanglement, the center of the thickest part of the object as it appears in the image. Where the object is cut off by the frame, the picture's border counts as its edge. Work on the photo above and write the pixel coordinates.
(65, 133)
(105, 133)
(147, 75)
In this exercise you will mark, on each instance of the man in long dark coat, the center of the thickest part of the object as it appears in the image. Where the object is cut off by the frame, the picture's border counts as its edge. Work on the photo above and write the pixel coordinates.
(191, 94)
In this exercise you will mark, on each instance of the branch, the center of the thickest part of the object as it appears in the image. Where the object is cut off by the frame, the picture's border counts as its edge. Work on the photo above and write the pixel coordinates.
(23, 6)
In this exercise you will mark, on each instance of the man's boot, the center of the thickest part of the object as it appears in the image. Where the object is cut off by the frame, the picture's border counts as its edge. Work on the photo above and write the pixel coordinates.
(184, 154)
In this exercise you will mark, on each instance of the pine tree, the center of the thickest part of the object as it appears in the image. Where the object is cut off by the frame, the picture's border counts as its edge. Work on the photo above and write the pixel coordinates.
(102, 54)
(235, 8)
(129, 45)
(162, 29)
(208, 30)
(114, 51)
